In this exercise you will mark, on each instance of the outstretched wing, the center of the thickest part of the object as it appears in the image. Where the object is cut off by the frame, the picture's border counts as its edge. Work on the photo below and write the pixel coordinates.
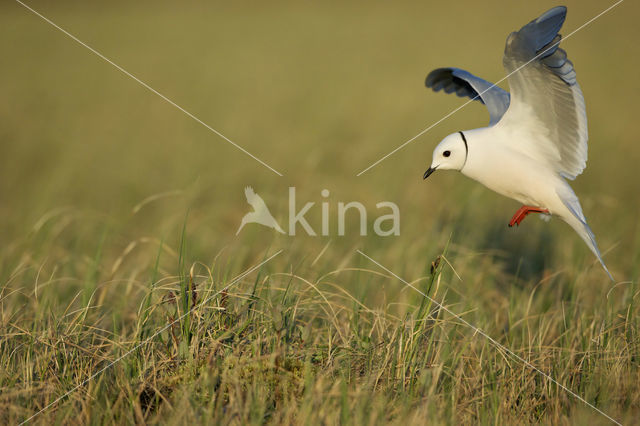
(465, 84)
(254, 200)
(546, 100)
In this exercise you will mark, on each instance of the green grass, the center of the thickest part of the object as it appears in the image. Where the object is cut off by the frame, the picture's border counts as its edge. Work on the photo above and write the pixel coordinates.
(285, 347)
(118, 217)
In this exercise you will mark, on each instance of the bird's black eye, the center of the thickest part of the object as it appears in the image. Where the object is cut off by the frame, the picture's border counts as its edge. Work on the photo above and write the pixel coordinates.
(446, 153)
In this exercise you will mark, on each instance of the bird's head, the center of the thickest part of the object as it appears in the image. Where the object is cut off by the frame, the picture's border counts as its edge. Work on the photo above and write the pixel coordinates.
(450, 154)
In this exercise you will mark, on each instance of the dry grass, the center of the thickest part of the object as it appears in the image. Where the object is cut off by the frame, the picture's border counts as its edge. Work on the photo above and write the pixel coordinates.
(89, 270)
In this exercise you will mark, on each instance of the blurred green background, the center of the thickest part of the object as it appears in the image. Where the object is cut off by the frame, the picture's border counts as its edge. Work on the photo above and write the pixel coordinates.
(317, 90)
(95, 170)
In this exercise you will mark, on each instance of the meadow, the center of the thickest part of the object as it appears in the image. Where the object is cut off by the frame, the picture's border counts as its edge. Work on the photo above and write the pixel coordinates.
(127, 297)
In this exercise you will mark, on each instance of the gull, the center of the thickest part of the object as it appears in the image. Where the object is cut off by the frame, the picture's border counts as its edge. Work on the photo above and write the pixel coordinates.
(537, 134)
(260, 213)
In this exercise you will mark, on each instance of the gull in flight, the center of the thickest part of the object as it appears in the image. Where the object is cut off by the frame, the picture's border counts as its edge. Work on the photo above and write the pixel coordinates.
(537, 134)
(260, 213)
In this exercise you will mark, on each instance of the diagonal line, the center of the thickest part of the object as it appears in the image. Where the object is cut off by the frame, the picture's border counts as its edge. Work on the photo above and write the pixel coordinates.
(151, 89)
(490, 87)
(494, 342)
(234, 281)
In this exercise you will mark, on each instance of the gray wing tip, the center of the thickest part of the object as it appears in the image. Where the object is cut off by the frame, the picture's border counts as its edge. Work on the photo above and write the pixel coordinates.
(450, 80)
(540, 38)
(436, 76)
(542, 30)
(553, 12)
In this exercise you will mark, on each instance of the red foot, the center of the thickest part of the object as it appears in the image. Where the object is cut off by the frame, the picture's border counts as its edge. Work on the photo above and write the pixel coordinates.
(523, 212)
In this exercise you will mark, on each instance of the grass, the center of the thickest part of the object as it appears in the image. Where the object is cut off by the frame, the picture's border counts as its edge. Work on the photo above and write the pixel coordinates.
(296, 346)
(118, 217)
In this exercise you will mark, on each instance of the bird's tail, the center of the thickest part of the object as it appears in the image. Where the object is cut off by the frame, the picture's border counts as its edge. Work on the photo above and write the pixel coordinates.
(579, 224)
(241, 225)
(587, 235)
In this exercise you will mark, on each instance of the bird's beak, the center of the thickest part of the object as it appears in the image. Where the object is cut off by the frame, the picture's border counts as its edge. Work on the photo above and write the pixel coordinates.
(429, 171)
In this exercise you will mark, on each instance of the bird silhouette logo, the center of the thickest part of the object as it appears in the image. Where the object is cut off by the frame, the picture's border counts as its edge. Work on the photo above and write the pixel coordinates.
(260, 213)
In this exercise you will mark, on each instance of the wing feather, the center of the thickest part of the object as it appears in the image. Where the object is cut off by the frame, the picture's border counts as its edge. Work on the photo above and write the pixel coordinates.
(255, 200)
(466, 85)
(546, 100)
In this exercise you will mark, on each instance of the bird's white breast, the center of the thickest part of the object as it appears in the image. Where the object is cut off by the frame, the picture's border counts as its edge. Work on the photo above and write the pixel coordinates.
(493, 161)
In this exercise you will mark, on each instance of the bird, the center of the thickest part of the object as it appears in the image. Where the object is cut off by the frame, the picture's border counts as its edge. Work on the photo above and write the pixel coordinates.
(537, 135)
(260, 213)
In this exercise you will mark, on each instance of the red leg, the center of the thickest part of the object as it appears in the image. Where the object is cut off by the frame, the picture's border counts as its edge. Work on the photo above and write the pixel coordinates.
(523, 212)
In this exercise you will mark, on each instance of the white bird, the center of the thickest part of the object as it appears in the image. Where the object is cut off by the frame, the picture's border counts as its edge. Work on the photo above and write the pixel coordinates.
(260, 213)
(537, 135)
